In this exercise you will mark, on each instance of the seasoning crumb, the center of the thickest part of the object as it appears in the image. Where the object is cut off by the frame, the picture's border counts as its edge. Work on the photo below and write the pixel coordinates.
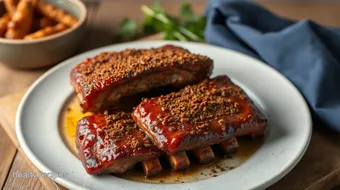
(209, 100)
(222, 169)
(119, 125)
(213, 171)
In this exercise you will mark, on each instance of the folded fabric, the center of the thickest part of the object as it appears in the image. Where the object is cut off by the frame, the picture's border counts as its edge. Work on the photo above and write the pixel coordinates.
(306, 53)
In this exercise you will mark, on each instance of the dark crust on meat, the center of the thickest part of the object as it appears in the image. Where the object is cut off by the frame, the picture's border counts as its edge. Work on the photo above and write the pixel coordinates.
(132, 62)
(108, 69)
(198, 103)
(104, 138)
(202, 114)
(121, 125)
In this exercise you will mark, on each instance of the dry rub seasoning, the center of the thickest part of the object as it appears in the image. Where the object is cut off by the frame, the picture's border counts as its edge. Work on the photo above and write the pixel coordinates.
(133, 62)
(121, 125)
(198, 103)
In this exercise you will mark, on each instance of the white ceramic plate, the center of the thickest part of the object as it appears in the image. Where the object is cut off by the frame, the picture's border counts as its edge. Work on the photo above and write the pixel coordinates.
(285, 142)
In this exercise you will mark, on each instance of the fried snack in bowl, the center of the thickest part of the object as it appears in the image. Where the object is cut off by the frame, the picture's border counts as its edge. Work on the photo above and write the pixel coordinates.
(35, 2)
(21, 21)
(46, 31)
(3, 24)
(45, 22)
(41, 23)
(11, 5)
(45, 49)
(56, 14)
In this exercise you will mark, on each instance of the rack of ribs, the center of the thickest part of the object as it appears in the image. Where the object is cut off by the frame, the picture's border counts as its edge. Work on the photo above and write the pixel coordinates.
(101, 81)
(112, 143)
(211, 112)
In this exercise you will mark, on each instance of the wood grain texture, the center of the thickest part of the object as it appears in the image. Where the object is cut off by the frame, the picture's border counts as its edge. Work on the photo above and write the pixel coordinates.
(20, 165)
(8, 108)
(324, 13)
(330, 181)
(8, 151)
(12, 80)
(319, 167)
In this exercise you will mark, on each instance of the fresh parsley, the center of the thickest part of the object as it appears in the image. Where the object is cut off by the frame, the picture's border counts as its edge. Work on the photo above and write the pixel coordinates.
(187, 27)
(128, 30)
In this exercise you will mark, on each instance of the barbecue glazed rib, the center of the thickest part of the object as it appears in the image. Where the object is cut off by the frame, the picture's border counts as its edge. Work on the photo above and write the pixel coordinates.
(112, 143)
(198, 116)
(204, 155)
(100, 81)
(230, 147)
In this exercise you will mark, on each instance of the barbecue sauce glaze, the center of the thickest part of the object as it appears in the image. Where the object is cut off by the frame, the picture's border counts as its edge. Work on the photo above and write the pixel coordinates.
(72, 113)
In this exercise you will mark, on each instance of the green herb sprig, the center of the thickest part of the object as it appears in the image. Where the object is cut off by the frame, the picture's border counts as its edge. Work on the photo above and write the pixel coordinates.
(187, 27)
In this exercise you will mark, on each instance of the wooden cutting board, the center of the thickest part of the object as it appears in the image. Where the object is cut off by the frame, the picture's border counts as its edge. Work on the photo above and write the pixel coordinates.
(318, 169)
(8, 107)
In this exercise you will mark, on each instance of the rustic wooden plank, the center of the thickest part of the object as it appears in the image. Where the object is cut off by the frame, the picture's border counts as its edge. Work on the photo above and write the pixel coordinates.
(8, 108)
(319, 165)
(12, 80)
(326, 13)
(59, 187)
(22, 165)
(330, 181)
(8, 151)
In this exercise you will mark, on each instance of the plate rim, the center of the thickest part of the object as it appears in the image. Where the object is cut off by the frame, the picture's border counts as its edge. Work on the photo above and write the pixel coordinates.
(69, 184)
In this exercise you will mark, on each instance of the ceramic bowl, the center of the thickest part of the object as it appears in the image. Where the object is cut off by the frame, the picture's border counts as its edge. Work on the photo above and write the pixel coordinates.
(47, 51)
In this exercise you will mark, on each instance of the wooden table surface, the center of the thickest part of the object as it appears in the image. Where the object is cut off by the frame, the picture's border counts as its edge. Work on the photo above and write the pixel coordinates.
(102, 25)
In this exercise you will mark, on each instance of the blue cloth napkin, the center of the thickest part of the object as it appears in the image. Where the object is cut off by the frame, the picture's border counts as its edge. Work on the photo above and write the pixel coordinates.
(307, 53)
